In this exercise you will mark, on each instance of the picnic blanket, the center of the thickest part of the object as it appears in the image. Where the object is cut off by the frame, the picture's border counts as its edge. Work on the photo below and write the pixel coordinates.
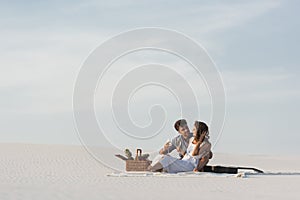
(180, 174)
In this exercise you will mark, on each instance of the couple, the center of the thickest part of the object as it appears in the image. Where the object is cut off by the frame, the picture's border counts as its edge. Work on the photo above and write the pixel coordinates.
(194, 149)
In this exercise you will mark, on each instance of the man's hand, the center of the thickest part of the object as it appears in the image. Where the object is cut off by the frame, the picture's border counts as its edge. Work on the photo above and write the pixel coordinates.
(167, 148)
(167, 145)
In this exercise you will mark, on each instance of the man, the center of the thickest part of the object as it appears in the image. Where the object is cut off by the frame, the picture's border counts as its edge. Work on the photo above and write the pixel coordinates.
(180, 142)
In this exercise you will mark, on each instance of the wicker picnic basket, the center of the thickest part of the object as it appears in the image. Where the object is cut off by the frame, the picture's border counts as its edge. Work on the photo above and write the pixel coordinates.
(137, 164)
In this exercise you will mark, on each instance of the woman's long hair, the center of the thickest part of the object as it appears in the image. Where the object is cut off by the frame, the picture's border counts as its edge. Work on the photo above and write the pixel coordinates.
(202, 128)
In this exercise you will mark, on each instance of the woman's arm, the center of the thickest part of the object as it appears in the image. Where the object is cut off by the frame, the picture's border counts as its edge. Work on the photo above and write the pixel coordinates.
(197, 147)
(202, 162)
(206, 154)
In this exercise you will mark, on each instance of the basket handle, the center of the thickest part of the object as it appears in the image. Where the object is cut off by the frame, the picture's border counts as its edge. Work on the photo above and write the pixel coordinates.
(138, 153)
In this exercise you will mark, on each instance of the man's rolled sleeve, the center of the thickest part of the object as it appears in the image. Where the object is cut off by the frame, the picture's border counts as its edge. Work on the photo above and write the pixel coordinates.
(169, 150)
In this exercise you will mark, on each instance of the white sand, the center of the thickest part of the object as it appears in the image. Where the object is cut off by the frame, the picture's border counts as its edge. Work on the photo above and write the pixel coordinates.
(30, 171)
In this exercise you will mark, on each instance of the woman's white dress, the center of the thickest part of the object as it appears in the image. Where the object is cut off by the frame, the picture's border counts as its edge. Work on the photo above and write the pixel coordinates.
(188, 162)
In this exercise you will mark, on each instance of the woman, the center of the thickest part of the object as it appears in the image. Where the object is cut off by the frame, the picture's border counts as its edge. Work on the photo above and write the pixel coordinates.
(199, 146)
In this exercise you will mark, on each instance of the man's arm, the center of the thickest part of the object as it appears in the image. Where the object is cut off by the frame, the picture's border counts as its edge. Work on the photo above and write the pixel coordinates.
(168, 148)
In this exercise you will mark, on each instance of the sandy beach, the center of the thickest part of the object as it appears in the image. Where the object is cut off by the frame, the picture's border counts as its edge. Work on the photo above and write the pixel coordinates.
(34, 171)
(82, 81)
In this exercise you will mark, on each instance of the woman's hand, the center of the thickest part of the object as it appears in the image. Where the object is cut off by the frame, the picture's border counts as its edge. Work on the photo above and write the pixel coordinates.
(202, 137)
(197, 146)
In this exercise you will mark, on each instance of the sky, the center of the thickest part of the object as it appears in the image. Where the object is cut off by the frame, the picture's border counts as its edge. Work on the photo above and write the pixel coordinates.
(254, 45)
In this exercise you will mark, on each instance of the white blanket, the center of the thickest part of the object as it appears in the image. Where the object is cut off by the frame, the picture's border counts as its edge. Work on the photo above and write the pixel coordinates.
(181, 174)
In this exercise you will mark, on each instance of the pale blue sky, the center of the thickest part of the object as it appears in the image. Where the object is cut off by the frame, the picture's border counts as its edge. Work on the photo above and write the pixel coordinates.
(255, 45)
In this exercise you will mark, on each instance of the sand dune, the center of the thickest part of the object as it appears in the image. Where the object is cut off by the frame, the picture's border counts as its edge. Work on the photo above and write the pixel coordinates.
(31, 171)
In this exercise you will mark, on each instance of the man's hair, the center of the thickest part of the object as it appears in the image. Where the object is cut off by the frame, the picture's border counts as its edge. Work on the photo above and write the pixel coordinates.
(180, 123)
